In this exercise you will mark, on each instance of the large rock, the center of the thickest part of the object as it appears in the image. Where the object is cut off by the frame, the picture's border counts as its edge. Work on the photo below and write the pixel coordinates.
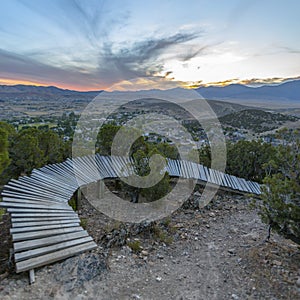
(74, 271)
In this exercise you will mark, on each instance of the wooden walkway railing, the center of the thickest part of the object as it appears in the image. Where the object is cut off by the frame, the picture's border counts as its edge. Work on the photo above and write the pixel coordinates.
(45, 229)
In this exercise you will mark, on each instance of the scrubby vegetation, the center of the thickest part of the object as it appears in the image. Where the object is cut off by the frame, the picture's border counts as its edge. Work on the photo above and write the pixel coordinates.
(280, 206)
(256, 120)
(277, 167)
(22, 151)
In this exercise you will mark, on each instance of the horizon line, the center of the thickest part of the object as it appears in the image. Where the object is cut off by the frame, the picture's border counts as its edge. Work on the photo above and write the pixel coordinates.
(255, 82)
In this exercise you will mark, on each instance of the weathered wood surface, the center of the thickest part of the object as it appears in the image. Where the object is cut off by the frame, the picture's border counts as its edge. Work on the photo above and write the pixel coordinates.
(38, 243)
(39, 261)
(48, 249)
(46, 229)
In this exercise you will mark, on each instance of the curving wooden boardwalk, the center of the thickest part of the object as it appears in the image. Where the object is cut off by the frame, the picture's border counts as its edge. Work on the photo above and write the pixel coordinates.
(45, 229)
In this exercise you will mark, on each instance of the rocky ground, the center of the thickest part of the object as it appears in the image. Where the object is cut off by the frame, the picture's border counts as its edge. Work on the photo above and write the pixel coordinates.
(214, 253)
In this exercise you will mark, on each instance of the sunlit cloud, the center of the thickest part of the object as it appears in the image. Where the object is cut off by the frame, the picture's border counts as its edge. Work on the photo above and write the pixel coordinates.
(94, 45)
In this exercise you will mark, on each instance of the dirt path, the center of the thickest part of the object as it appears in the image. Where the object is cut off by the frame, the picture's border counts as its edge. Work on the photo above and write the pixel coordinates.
(216, 254)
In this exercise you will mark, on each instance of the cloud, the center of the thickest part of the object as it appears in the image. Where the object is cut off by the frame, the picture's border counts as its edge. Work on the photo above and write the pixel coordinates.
(263, 81)
(87, 56)
(250, 82)
(20, 67)
(146, 83)
(141, 59)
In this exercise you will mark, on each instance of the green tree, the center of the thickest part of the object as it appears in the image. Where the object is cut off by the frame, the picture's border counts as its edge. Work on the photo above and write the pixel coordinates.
(25, 153)
(140, 152)
(205, 156)
(167, 150)
(247, 159)
(280, 206)
(4, 157)
(7, 135)
(161, 188)
(51, 145)
(105, 138)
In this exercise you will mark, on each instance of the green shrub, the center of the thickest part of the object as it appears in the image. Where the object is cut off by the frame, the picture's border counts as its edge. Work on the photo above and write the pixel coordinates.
(135, 245)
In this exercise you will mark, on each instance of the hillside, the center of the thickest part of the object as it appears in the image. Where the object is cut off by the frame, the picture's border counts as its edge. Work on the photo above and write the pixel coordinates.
(20, 101)
(23, 91)
(256, 120)
(223, 108)
(215, 253)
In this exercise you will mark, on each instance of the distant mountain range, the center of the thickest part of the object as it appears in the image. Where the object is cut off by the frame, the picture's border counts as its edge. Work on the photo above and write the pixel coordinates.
(41, 91)
(285, 93)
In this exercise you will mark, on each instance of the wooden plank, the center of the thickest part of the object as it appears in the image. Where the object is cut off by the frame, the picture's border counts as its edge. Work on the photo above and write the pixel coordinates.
(41, 223)
(53, 257)
(55, 181)
(47, 185)
(24, 196)
(43, 233)
(245, 185)
(207, 173)
(40, 201)
(237, 183)
(42, 227)
(221, 176)
(41, 242)
(39, 210)
(44, 219)
(256, 187)
(242, 187)
(196, 171)
(37, 215)
(174, 168)
(38, 186)
(30, 205)
(232, 182)
(48, 249)
(213, 176)
(202, 173)
(226, 180)
(29, 191)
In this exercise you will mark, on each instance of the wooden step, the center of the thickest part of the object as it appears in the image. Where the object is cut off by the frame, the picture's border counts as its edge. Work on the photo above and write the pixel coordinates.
(41, 242)
(35, 206)
(45, 214)
(41, 223)
(39, 210)
(44, 219)
(42, 227)
(43, 233)
(44, 250)
(53, 257)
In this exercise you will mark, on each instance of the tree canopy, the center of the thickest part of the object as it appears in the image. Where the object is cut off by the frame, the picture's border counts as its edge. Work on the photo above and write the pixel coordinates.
(280, 207)
(29, 148)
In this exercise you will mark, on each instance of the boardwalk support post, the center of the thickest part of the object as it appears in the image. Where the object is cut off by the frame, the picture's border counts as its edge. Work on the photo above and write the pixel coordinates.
(78, 199)
(100, 189)
(31, 276)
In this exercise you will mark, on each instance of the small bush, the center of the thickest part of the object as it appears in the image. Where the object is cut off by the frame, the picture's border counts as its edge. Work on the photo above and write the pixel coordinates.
(2, 212)
(83, 223)
(162, 235)
(135, 245)
(73, 204)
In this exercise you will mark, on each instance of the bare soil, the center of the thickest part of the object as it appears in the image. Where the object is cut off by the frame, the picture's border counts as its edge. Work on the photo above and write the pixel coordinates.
(214, 253)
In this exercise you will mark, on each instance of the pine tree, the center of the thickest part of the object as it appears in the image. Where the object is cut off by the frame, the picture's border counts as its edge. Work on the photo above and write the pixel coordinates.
(280, 207)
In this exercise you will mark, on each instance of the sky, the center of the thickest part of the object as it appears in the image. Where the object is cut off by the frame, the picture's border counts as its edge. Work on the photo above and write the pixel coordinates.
(138, 44)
